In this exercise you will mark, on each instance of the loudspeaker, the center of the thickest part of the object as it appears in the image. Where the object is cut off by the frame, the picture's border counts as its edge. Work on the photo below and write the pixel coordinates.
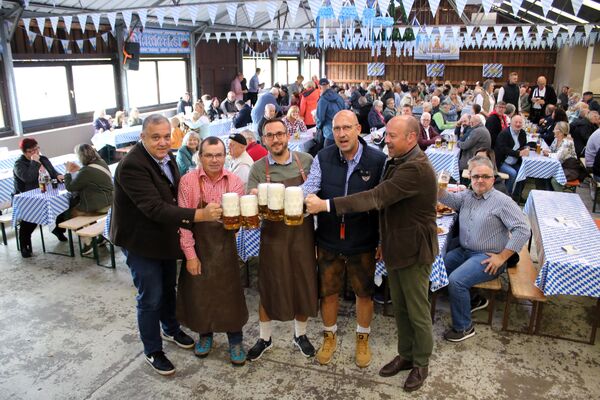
(131, 56)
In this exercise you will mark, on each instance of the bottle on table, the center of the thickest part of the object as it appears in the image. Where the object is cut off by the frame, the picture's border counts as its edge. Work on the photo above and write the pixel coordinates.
(43, 179)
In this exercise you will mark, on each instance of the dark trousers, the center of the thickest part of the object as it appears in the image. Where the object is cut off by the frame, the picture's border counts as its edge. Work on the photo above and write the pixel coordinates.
(252, 97)
(155, 282)
(25, 231)
(233, 337)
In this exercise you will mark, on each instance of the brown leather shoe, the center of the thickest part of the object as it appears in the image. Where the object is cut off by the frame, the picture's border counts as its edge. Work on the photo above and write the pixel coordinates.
(416, 378)
(396, 365)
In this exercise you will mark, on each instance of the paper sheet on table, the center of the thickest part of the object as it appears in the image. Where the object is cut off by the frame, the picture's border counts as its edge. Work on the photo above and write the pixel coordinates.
(553, 223)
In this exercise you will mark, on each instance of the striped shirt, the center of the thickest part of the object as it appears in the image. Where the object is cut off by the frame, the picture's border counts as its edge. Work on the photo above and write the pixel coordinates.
(489, 223)
(190, 194)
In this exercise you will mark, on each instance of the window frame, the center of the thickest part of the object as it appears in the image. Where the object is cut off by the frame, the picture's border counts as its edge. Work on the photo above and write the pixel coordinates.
(156, 59)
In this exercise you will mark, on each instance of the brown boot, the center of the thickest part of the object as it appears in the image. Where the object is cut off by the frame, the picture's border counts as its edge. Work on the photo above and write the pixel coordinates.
(416, 378)
(396, 365)
(363, 352)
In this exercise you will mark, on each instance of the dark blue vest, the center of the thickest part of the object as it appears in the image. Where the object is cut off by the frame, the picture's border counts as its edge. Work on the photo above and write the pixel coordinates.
(361, 229)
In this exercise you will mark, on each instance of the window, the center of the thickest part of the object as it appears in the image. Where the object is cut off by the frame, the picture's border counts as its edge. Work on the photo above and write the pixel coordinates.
(157, 82)
(249, 68)
(94, 87)
(287, 71)
(43, 92)
(311, 67)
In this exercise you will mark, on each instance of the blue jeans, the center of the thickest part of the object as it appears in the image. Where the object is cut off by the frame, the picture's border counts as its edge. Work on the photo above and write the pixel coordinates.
(464, 270)
(155, 282)
(511, 171)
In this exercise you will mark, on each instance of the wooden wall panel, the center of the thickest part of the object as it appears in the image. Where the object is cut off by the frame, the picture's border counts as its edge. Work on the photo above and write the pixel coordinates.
(350, 66)
(218, 64)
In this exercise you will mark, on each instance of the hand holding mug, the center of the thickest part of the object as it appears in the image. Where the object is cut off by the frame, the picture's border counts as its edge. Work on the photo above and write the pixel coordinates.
(212, 212)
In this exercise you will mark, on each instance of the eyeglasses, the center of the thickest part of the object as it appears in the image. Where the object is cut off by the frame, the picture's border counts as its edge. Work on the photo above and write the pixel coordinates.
(33, 149)
(480, 177)
(278, 135)
(343, 128)
(213, 156)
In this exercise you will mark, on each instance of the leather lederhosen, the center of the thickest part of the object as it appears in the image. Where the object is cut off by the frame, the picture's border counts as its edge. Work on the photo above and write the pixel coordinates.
(214, 300)
(287, 275)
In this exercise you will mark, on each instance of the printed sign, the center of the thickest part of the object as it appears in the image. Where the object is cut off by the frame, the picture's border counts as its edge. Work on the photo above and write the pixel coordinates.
(436, 47)
(162, 41)
(435, 70)
(375, 69)
(492, 70)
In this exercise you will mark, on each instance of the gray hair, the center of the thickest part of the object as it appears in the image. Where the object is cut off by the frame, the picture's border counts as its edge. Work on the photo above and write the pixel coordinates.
(480, 161)
(275, 91)
(510, 108)
(563, 127)
(86, 154)
(377, 103)
(154, 119)
(487, 84)
(249, 135)
(270, 106)
(189, 135)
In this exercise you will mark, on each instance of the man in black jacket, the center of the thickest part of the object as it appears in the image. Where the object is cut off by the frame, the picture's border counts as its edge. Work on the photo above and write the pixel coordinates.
(540, 96)
(347, 243)
(588, 98)
(145, 223)
(511, 146)
(184, 101)
(581, 129)
(244, 115)
(509, 93)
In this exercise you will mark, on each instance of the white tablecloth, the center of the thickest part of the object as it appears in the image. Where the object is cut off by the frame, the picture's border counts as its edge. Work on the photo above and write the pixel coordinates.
(117, 137)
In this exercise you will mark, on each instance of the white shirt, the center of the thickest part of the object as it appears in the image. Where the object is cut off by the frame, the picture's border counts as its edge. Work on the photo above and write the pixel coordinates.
(479, 100)
(241, 167)
(537, 92)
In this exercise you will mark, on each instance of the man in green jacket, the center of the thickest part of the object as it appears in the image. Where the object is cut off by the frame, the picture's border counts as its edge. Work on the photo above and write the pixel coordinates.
(406, 200)
(440, 118)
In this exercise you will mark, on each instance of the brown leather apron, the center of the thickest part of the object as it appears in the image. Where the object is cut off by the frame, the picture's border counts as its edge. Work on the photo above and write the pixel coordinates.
(214, 300)
(287, 273)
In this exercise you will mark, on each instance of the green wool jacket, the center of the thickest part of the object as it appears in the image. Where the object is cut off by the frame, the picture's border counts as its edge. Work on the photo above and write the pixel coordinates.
(94, 187)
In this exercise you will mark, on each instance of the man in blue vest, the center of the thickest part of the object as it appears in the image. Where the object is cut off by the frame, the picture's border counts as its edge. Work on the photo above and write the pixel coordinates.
(347, 242)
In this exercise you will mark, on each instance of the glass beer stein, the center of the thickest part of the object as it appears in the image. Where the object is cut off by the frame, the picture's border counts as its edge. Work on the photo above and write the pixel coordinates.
(230, 202)
(249, 211)
(275, 199)
(293, 206)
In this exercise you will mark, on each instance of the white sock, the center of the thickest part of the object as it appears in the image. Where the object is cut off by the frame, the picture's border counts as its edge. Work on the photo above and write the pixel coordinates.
(360, 329)
(300, 327)
(332, 328)
(265, 330)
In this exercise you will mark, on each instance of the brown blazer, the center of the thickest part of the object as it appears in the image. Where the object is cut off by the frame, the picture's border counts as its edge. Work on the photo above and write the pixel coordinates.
(406, 199)
(145, 216)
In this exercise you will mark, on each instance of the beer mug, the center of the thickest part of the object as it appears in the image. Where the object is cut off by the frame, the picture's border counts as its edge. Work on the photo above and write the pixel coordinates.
(249, 210)
(443, 179)
(293, 206)
(275, 199)
(262, 199)
(538, 146)
(230, 202)
(438, 142)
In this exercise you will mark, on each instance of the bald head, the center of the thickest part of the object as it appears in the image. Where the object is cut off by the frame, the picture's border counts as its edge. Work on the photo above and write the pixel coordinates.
(346, 130)
(345, 115)
(401, 135)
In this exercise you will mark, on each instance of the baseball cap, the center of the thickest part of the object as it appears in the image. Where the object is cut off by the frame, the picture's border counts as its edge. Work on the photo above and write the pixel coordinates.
(236, 137)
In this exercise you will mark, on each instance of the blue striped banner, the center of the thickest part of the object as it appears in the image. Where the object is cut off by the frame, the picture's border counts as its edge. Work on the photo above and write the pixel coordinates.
(492, 70)
(375, 69)
(434, 70)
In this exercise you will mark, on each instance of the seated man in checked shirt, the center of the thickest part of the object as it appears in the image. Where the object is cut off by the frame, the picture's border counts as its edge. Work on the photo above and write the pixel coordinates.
(492, 229)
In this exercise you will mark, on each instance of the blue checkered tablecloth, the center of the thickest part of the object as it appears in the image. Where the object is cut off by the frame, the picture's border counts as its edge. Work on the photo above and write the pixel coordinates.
(561, 273)
(117, 137)
(248, 245)
(6, 186)
(445, 160)
(106, 232)
(220, 127)
(7, 160)
(303, 143)
(538, 166)
(40, 208)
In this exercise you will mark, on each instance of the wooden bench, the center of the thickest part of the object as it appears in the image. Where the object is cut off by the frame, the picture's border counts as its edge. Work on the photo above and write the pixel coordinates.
(74, 224)
(94, 231)
(5, 218)
(521, 280)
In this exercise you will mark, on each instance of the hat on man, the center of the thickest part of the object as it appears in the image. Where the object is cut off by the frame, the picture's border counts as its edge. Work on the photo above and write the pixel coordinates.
(323, 82)
(236, 137)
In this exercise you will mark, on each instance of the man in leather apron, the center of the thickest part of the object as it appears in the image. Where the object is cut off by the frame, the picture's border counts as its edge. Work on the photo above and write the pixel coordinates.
(210, 297)
(287, 275)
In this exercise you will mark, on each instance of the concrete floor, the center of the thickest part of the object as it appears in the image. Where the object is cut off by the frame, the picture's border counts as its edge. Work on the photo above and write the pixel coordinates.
(68, 331)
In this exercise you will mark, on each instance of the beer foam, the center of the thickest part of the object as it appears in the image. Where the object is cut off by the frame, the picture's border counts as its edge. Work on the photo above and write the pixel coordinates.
(230, 203)
(249, 205)
(294, 201)
(275, 196)
(262, 193)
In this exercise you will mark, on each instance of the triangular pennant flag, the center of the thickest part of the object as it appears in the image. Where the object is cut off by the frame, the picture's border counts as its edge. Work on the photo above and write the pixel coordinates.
(103, 39)
(315, 6)
(576, 6)
(127, 17)
(292, 33)
(546, 5)
(212, 12)
(578, 37)
(336, 6)
(65, 45)
(143, 16)
(470, 30)
(112, 19)
(227, 36)
(93, 42)
(383, 6)
(483, 29)
(272, 8)
(248, 35)
(401, 31)
(26, 22)
(487, 6)
(32, 36)
(429, 30)
(360, 7)
(550, 38)
(41, 22)
(303, 33)
(96, 21)
(587, 28)
(259, 35)
(511, 31)
(460, 6)
(79, 44)
(68, 20)
(160, 16)
(175, 11)
(232, 11)
(540, 29)
(293, 6)
(270, 35)
(280, 33)
(251, 11)
(516, 5)
(218, 36)
(433, 5)
(82, 21)
(54, 23)
(49, 42)
(193, 13)
(555, 30)
(571, 29)
(525, 29)
(207, 36)
(497, 30)
(238, 36)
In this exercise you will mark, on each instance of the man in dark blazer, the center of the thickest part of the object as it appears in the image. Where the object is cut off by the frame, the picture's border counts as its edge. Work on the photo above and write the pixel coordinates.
(244, 115)
(145, 223)
(511, 147)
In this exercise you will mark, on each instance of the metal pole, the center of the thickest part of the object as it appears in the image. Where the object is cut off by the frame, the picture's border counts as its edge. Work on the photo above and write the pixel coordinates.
(193, 68)
(122, 72)
(9, 75)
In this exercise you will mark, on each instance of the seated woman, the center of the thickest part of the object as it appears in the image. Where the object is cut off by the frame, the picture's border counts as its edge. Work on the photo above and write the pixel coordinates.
(26, 177)
(120, 120)
(199, 118)
(185, 155)
(292, 121)
(176, 133)
(376, 119)
(563, 149)
(134, 117)
(92, 184)
(214, 110)
(390, 109)
(101, 123)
